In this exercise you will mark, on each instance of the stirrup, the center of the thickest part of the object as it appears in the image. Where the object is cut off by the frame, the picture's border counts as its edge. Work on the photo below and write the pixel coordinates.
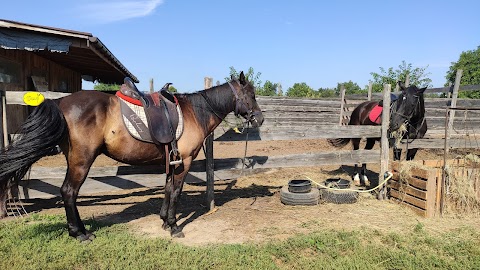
(175, 162)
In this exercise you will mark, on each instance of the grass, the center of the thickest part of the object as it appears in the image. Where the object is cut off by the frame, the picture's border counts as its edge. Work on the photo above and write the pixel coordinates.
(41, 242)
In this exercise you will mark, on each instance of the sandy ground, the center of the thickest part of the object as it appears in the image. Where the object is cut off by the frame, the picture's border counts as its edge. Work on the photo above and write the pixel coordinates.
(249, 207)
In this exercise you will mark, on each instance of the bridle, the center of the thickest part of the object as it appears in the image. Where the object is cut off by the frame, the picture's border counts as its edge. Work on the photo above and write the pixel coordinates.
(408, 118)
(242, 102)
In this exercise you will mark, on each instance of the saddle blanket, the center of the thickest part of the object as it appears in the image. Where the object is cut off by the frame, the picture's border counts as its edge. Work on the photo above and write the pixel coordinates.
(135, 120)
(376, 114)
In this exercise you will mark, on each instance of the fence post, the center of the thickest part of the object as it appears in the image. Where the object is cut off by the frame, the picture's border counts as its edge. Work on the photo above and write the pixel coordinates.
(407, 80)
(453, 103)
(384, 154)
(2, 119)
(342, 104)
(369, 95)
(152, 89)
(209, 164)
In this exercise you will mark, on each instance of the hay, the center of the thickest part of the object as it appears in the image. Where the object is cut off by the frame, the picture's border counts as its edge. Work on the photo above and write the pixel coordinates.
(404, 173)
(398, 134)
(463, 187)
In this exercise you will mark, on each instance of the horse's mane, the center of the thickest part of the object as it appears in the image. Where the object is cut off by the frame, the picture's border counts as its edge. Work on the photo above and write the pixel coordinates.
(219, 102)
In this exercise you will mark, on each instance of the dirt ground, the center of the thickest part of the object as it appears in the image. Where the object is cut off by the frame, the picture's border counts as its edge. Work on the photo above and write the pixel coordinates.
(249, 207)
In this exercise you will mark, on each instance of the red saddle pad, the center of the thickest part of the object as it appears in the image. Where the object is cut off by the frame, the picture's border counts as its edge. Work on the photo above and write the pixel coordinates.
(376, 114)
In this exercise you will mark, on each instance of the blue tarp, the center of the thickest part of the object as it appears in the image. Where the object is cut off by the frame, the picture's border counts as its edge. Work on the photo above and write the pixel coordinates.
(11, 39)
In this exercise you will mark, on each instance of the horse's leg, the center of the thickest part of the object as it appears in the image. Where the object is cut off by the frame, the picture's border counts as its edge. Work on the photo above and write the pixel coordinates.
(363, 173)
(397, 153)
(166, 202)
(356, 177)
(411, 153)
(175, 191)
(78, 167)
(3, 200)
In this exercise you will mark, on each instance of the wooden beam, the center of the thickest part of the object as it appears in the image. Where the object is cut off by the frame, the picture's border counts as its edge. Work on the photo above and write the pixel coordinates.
(342, 104)
(382, 194)
(209, 161)
(454, 100)
(369, 95)
(16, 97)
(2, 120)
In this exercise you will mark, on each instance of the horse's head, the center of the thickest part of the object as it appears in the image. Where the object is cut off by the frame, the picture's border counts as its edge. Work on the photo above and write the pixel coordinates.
(246, 105)
(408, 108)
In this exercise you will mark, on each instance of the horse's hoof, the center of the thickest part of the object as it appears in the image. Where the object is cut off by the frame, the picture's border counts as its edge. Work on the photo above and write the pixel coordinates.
(356, 180)
(178, 234)
(166, 227)
(367, 182)
(86, 237)
(83, 238)
(90, 235)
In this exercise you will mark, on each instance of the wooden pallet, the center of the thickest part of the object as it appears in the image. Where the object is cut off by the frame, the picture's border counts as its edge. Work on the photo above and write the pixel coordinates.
(420, 191)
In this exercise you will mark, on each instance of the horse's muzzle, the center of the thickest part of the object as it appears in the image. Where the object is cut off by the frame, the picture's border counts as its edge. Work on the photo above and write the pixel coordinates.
(256, 119)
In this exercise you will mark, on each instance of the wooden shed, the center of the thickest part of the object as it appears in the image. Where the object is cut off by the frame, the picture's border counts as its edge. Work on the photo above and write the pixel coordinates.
(41, 58)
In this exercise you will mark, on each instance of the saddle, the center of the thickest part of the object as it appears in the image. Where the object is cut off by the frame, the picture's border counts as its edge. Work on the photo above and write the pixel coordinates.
(160, 109)
(162, 117)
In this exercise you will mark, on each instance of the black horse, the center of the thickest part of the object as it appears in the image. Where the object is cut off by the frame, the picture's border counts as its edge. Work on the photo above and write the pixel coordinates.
(89, 123)
(407, 121)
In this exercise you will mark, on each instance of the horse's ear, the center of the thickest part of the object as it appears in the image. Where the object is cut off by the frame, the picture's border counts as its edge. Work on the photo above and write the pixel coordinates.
(242, 78)
(402, 86)
(421, 90)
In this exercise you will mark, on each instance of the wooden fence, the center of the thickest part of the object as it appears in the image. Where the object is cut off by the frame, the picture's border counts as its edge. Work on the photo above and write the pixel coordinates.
(297, 118)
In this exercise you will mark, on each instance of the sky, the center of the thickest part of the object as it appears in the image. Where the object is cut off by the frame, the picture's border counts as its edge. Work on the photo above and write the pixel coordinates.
(317, 42)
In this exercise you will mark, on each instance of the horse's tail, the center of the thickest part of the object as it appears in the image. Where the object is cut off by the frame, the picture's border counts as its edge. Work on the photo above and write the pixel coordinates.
(339, 142)
(37, 137)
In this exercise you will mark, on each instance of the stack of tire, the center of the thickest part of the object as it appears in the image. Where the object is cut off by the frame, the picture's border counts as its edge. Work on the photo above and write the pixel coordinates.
(299, 192)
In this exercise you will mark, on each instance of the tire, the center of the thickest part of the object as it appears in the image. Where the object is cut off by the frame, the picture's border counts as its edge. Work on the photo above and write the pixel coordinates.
(299, 186)
(338, 197)
(308, 198)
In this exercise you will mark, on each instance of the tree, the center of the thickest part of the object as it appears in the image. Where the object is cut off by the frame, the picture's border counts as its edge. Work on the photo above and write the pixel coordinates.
(418, 76)
(469, 62)
(172, 89)
(326, 92)
(350, 88)
(300, 90)
(251, 76)
(106, 87)
(268, 89)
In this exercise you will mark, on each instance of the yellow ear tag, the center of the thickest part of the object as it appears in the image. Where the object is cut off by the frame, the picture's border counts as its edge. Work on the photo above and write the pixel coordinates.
(33, 98)
(236, 130)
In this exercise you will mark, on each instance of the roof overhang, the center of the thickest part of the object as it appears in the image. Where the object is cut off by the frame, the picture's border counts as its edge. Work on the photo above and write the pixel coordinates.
(86, 55)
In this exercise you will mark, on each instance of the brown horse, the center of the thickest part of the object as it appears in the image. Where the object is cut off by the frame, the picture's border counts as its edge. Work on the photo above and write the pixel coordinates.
(88, 123)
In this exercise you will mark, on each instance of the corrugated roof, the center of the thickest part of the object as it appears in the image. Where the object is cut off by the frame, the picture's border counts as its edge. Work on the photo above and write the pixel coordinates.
(87, 54)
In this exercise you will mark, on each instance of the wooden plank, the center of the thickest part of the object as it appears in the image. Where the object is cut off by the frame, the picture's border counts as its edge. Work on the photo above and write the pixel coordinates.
(2, 120)
(440, 143)
(416, 172)
(454, 102)
(410, 190)
(16, 97)
(409, 199)
(342, 104)
(295, 133)
(384, 145)
(418, 211)
(413, 180)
